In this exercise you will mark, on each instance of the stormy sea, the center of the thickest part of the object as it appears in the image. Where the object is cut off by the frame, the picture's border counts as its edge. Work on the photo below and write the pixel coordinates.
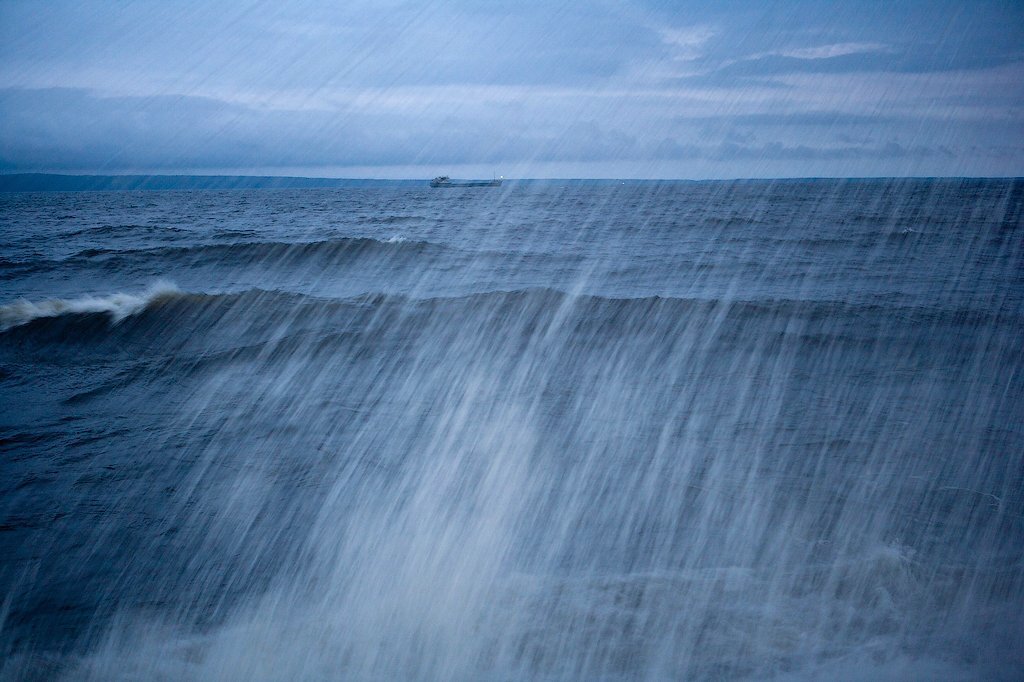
(758, 430)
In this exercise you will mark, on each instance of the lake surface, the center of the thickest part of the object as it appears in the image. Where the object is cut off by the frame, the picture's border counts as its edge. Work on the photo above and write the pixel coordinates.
(723, 430)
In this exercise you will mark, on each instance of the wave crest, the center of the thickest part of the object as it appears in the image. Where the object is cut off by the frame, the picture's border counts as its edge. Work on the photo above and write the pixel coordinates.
(118, 305)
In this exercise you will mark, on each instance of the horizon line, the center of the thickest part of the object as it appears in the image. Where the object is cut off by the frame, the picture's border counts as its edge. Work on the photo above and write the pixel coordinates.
(329, 178)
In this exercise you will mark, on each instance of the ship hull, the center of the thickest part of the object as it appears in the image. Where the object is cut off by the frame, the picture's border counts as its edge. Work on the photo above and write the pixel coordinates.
(471, 183)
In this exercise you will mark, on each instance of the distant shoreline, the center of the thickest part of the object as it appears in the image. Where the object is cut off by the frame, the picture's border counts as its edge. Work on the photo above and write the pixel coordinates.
(56, 182)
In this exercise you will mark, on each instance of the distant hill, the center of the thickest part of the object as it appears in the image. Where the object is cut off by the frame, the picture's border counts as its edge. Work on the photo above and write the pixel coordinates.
(47, 182)
(53, 182)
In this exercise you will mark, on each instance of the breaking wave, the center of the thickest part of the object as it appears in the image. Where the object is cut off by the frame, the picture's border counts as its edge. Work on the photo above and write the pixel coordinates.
(116, 306)
(163, 311)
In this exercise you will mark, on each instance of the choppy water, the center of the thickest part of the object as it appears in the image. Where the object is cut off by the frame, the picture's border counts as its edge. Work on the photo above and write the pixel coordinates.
(681, 431)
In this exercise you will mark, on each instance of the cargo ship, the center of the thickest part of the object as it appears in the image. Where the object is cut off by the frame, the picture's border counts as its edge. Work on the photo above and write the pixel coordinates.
(445, 181)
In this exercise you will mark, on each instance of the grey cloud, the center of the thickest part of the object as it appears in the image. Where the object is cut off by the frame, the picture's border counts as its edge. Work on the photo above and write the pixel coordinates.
(775, 151)
(67, 128)
(316, 84)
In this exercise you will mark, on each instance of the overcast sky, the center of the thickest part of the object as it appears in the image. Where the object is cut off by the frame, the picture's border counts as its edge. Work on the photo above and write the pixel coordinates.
(522, 89)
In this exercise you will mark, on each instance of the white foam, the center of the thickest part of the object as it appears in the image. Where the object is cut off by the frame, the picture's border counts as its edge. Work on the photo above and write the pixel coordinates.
(118, 306)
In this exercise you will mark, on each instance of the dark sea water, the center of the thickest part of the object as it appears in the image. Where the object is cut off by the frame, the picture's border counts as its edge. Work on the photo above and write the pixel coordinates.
(760, 430)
